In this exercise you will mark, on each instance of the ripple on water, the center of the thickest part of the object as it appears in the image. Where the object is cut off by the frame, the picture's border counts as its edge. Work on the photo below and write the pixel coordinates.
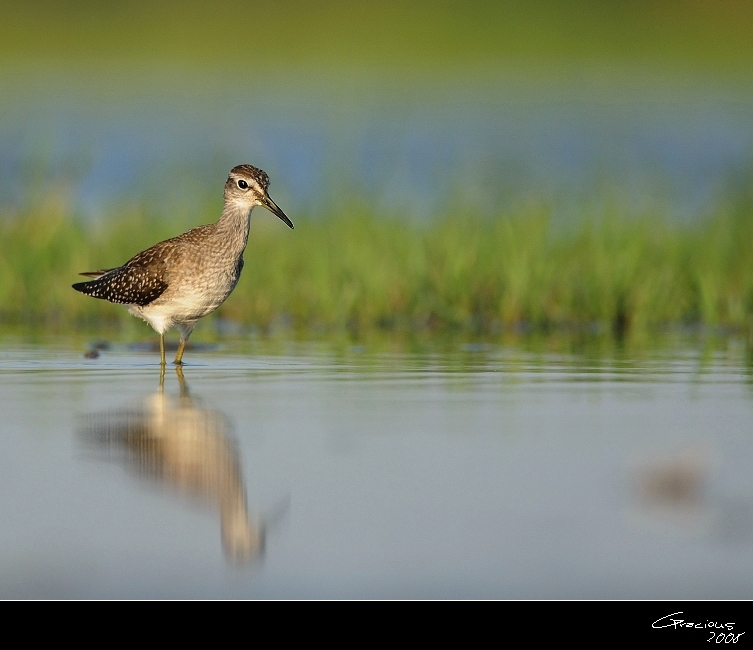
(483, 471)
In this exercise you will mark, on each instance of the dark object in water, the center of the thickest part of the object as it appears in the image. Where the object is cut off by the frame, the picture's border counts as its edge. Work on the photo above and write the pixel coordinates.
(675, 480)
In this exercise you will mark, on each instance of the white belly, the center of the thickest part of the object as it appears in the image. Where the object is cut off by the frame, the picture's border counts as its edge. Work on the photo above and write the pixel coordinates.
(181, 306)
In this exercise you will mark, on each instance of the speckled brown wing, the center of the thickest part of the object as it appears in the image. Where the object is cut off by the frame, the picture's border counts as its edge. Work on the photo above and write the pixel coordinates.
(138, 282)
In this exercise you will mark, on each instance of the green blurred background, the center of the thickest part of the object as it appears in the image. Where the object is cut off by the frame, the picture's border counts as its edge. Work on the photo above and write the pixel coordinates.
(481, 167)
(264, 37)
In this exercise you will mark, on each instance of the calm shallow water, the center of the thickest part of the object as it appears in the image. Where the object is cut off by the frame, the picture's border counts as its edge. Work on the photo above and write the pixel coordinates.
(482, 471)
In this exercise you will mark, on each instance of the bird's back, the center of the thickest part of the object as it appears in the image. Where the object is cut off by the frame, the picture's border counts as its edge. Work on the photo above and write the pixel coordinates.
(148, 274)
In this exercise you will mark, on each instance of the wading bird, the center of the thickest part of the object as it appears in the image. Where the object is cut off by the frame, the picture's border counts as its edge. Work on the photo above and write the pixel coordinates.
(180, 280)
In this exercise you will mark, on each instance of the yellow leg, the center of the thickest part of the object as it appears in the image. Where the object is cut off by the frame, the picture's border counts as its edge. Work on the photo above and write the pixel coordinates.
(179, 356)
(162, 349)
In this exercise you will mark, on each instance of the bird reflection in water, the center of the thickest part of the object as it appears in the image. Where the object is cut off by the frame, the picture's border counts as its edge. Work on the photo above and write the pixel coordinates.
(186, 447)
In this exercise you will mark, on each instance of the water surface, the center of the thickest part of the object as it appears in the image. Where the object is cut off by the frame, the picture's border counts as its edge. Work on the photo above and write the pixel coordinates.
(302, 471)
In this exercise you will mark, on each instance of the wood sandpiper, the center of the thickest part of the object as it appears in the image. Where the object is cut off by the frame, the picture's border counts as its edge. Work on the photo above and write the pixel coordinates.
(180, 280)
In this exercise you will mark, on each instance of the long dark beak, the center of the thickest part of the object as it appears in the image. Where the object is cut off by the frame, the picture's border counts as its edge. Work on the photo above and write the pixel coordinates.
(272, 207)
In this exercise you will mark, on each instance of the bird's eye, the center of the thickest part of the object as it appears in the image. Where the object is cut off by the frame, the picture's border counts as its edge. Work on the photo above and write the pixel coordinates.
(243, 184)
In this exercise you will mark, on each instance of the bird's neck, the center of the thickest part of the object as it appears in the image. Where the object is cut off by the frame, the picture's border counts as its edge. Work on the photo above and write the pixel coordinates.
(233, 226)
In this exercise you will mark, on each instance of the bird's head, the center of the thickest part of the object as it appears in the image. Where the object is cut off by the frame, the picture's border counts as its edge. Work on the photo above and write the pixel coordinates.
(246, 187)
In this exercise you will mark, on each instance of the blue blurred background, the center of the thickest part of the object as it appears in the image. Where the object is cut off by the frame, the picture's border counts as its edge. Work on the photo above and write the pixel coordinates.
(415, 108)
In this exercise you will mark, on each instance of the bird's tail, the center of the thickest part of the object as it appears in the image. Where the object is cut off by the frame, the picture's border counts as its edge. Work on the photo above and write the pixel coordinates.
(95, 274)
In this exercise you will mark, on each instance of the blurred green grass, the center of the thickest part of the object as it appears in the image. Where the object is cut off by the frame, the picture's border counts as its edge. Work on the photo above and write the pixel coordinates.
(358, 272)
(245, 38)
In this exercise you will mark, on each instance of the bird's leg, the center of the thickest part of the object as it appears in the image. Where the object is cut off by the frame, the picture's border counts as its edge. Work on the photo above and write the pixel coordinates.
(162, 350)
(179, 355)
(185, 330)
